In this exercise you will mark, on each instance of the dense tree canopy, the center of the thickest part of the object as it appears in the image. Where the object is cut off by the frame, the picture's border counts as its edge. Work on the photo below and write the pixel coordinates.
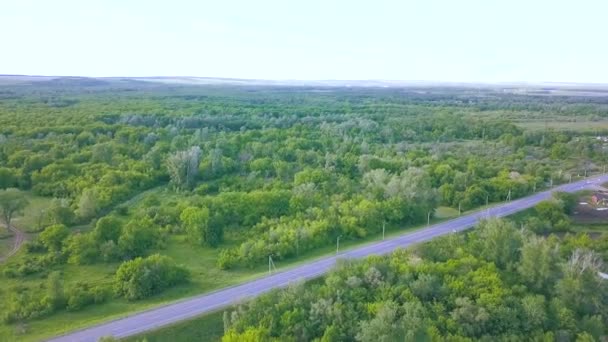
(224, 177)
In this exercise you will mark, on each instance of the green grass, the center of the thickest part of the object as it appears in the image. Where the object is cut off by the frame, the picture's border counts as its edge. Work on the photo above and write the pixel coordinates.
(25, 222)
(6, 241)
(205, 328)
(28, 221)
(446, 212)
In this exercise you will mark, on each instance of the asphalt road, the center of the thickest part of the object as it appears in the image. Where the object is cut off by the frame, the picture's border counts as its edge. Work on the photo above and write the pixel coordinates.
(195, 306)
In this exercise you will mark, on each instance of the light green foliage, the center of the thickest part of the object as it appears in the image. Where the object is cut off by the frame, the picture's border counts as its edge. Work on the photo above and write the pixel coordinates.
(183, 167)
(249, 335)
(82, 249)
(53, 237)
(88, 204)
(196, 221)
(60, 212)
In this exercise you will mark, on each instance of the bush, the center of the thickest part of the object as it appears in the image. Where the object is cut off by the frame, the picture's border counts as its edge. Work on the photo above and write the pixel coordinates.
(143, 277)
(82, 295)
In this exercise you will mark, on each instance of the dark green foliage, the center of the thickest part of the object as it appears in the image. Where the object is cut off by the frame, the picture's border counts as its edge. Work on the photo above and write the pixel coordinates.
(196, 222)
(143, 277)
(107, 229)
(138, 236)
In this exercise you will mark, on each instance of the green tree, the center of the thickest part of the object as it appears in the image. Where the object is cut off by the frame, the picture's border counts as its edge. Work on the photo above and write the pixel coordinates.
(384, 327)
(499, 242)
(8, 178)
(81, 248)
(138, 236)
(183, 167)
(60, 212)
(12, 202)
(53, 237)
(54, 290)
(539, 264)
(196, 222)
(88, 204)
(107, 228)
(249, 335)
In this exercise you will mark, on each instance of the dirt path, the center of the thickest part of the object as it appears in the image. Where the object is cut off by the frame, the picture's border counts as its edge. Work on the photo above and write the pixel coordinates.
(19, 240)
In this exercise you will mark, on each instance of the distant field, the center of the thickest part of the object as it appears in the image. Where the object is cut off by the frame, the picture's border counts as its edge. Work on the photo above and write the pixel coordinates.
(564, 125)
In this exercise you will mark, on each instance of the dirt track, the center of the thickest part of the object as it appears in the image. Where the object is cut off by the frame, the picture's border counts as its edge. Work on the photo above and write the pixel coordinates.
(19, 239)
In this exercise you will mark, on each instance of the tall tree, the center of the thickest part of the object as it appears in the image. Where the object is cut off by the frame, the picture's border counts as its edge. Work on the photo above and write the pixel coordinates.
(88, 204)
(12, 202)
(183, 167)
(196, 222)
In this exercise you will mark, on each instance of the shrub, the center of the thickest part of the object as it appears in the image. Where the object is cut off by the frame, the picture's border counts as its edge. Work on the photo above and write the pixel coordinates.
(143, 277)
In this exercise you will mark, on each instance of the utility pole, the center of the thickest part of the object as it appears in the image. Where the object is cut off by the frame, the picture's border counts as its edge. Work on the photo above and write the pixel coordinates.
(487, 206)
(428, 219)
(509, 196)
(551, 182)
(570, 178)
(604, 168)
(271, 265)
(459, 211)
(534, 187)
(585, 172)
(338, 244)
(298, 242)
(383, 229)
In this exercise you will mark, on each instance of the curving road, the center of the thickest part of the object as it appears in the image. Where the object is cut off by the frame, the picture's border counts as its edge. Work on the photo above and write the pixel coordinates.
(195, 306)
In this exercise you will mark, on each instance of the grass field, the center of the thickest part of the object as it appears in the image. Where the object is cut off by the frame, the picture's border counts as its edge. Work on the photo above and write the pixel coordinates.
(208, 328)
(25, 222)
(28, 221)
(6, 241)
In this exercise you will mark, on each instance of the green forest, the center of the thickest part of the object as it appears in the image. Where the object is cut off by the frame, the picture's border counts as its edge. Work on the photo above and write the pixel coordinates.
(130, 194)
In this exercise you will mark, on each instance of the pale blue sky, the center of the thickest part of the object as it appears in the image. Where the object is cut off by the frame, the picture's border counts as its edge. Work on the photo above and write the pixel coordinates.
(449, 40)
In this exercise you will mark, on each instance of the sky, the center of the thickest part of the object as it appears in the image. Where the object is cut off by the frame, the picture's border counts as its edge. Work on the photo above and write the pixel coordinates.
(432, 40)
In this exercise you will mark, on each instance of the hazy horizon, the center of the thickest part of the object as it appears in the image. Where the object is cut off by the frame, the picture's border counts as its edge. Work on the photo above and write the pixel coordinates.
(433, 41)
